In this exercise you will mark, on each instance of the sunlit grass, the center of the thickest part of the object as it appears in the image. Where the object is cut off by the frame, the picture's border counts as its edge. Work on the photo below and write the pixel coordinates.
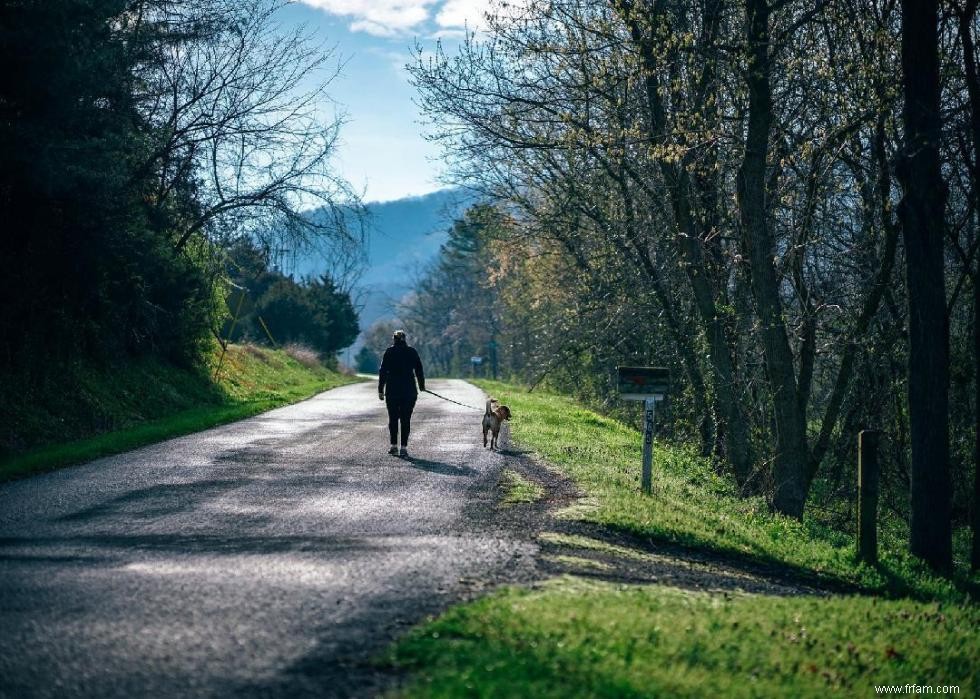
(518, 489)
(691, 505)
(576, 638)
(570, 637)
(590, 544)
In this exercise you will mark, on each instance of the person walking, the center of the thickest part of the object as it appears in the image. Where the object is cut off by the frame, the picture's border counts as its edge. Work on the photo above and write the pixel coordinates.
(400, 367)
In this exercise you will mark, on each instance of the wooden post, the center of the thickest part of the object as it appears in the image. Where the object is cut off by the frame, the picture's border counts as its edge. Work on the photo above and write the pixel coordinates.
(867, 544)
(650, 405)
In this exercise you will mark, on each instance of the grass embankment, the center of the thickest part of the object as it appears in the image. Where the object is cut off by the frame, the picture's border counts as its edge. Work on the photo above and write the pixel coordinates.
(695, 507)
(90, 413)
(577, 638)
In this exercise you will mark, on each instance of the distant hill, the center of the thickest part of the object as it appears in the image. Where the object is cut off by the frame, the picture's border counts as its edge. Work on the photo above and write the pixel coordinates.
(403, 236)
(408, 232)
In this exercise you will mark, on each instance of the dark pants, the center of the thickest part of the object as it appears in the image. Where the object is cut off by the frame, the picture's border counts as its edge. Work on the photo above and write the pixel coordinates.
(400, 411)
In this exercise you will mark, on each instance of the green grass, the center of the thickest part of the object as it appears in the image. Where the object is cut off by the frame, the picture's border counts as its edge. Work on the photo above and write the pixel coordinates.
(576, 638)
(693, 506)
(109, 412)
(518, 489)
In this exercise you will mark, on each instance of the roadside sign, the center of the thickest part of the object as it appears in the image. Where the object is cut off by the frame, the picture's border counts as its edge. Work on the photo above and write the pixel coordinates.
(642, 382)
(476, 360)
(649, 384)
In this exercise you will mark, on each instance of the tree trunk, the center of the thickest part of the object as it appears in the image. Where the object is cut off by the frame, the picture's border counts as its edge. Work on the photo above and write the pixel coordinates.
(736, 434)
(966, 19)
(789, 470)
(922, 214)
(975, 553)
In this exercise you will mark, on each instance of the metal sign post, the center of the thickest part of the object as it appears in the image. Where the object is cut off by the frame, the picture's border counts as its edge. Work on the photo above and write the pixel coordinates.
(650, 405)
(648, 384)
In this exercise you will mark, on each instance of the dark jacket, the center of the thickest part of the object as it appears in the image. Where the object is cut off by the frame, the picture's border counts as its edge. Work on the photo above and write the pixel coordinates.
(395, 375)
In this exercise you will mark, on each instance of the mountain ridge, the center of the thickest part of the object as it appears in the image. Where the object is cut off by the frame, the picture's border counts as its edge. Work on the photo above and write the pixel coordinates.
(403, 235)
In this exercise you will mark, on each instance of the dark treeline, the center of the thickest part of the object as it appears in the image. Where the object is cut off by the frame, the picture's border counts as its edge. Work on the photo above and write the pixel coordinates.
(454, 312)
(777, 200)
(139, 141)
(267, 306)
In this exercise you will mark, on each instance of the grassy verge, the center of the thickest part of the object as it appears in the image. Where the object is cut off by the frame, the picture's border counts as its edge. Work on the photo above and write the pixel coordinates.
(148, 401)
(576, 638)
(571, 637)
(692, 505)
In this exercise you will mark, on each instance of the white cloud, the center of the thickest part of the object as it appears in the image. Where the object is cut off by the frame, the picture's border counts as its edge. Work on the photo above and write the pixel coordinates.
(454, 34)
(454, 15)
(437, 18)
(373, 28)
(460, 13)
(378, 17)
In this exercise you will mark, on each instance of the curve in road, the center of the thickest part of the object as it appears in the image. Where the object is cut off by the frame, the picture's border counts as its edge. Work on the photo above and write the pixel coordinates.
(270, 557)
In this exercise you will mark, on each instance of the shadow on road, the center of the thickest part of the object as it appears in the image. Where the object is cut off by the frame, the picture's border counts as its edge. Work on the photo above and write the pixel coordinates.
(440, 467)
(514, 452)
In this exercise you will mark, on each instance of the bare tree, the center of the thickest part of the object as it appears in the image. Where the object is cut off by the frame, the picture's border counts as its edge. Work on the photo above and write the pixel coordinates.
(731, 164)
(235, 103)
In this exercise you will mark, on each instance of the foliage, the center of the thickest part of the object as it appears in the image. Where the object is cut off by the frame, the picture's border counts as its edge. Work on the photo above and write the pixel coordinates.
(86, 269)
(269, 307)
(125, 172)
(378, 337)
(673, 194)
(366, 361)
(454, 313)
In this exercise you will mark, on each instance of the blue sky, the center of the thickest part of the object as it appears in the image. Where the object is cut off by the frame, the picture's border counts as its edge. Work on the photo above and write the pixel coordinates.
(382, 151)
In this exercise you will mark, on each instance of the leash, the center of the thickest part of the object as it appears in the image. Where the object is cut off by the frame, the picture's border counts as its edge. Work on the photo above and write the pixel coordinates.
(450, 400)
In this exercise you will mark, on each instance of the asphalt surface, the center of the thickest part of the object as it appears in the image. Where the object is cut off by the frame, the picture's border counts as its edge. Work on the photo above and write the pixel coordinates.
(275, 556)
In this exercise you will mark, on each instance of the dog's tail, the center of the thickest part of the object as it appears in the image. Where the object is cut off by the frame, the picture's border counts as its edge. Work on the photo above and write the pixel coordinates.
(488, 406)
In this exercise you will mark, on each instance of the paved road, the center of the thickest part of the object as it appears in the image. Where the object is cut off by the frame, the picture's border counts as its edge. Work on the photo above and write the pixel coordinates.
(271, 557)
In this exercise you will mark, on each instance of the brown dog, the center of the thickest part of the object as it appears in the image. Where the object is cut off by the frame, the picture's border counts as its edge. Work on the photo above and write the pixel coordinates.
(492, 420)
